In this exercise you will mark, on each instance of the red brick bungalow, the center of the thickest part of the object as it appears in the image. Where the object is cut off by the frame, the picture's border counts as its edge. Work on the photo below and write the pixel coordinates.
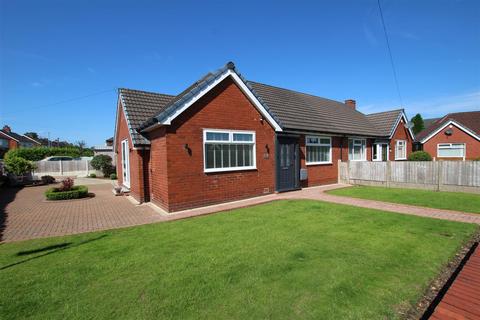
(11, 140)
(225, 138)
(455, 136)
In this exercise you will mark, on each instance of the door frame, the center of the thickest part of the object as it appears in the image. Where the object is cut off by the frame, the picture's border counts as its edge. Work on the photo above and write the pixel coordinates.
(378, 147)
(125, 163)
(295, 137)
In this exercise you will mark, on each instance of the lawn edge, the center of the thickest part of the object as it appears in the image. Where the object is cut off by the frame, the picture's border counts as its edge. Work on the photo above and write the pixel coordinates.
(439, 285)
(331, 192)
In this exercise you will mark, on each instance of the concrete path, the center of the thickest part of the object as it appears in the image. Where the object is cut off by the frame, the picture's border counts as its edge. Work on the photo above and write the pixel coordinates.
(24, 214)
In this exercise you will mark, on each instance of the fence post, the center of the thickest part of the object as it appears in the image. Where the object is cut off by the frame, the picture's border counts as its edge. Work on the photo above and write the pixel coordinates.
(439, 174)
(388, 173)
(61, 168)
(86, 162)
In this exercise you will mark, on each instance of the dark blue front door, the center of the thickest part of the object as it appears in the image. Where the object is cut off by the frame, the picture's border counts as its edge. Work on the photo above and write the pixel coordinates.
(287, 163)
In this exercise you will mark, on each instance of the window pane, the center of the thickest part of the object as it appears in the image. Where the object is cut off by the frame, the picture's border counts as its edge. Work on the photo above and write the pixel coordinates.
(242, 137)
(226, 156)
(218, 156)
(325, 141)
(248, 155)
(451, 152)
(209, 155)
(312, 140)
(318, 154)
(240, 155)
(217, 136)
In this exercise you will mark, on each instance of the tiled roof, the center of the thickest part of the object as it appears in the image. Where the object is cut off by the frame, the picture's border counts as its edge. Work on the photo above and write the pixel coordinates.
(291, 109)
(385, 121)
(300, 111)
(140, 106)
(19, 137)
(469, 120)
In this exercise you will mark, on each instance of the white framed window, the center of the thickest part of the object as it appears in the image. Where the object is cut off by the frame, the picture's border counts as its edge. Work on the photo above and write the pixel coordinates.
(400, 150)
(228, 150)
(319, 150)
(356, 149)
(3, 143)
(451, 150)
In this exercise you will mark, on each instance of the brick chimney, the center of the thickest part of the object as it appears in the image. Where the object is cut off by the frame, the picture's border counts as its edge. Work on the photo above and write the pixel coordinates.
(351, 103)
(6, 128)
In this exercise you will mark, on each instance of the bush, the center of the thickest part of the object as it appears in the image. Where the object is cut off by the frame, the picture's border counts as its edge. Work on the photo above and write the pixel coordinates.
(48, 179)
(103, 163)
(419, 156)
(93, 175)
(17, 165)
(113, 176)
(75, 192)
(67, 184)
(39, 153)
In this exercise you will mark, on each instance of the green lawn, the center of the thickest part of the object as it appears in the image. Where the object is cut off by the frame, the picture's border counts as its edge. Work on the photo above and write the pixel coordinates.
(283, 260)
(458, 201)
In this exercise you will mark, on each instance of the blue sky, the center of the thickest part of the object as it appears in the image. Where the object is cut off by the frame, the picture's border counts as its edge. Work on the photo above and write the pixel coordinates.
(56, 51)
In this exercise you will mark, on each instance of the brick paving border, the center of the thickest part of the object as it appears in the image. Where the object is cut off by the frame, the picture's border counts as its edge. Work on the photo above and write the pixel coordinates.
(24, 215)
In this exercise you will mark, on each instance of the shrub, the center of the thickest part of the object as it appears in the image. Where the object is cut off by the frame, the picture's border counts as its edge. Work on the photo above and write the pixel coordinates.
(419, 156)
(113, 176)
(39, 153)
(17, 165)
(93, 175)
(103, 163)
(48, 179)
(67, 184)
(75, 192)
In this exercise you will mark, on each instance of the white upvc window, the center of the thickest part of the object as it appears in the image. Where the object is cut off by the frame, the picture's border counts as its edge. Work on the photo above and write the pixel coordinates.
(228, 150)
(356, 149)
(400, 150)
(451, 150)
(319, 150)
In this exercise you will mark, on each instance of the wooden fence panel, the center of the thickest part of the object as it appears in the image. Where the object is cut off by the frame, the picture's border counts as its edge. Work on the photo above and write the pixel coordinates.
(433, 175)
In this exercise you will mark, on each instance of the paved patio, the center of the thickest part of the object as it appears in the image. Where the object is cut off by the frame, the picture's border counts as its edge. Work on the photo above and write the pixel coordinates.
(24, 214)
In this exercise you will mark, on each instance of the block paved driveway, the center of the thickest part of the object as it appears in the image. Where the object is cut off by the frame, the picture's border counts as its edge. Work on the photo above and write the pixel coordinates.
(24, 214)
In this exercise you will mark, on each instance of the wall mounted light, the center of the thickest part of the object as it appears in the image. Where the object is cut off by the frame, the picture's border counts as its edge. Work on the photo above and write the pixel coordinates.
(187, 148)
(266, 154)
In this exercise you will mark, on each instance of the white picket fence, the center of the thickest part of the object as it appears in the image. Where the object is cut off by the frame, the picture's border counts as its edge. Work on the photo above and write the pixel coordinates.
(64, 168)
(433, 175)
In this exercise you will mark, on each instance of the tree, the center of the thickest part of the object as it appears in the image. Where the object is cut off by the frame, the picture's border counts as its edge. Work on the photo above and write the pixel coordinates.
(32, 135)
(104, 163)
(81, 145)
(18, 166)
(418, 124)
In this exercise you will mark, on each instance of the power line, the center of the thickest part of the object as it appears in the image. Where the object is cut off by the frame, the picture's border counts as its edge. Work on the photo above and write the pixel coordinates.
(68, 100)
(390, 54)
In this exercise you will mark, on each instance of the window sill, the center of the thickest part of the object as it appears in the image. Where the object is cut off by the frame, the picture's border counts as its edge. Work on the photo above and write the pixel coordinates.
(220, 170)
(317, 163)
(396, 159)
(357, 160)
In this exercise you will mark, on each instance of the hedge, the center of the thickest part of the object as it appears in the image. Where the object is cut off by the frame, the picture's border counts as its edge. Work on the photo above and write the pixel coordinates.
(39, 153)
(76, 192)
(419, 156)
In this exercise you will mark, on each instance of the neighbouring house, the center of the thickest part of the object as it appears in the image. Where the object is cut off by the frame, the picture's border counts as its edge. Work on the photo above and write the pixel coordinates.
(11, 140)
(455, 136)
(106, 149)
(225, 138)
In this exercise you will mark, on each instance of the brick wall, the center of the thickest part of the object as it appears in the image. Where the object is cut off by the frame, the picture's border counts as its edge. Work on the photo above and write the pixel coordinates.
(458, 136)
(225, 107)
(158, 168)
(401, 133)
(319, 174)
(135, 156)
